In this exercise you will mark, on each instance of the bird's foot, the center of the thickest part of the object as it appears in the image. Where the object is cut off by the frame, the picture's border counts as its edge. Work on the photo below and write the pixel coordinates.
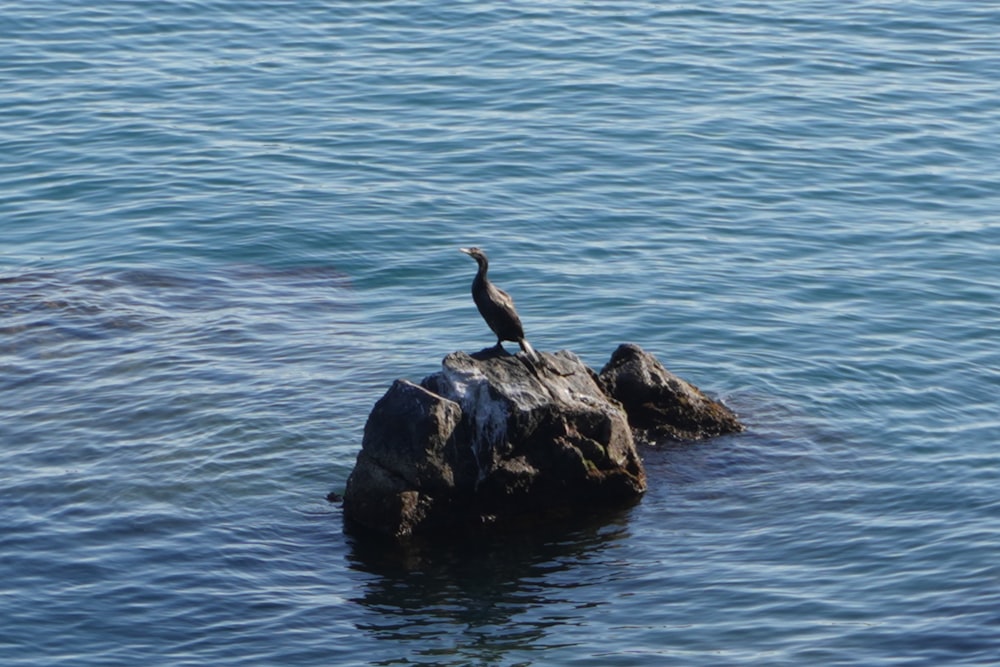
(491, 352)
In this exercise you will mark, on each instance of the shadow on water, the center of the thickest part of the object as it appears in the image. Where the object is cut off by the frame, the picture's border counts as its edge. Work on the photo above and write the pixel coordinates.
(491, 586)
(101, 304)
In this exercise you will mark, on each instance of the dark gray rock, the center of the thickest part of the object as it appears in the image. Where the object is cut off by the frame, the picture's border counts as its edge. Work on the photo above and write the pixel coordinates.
(491, 438)
(659, 404)
(498, 439)
(411, 462)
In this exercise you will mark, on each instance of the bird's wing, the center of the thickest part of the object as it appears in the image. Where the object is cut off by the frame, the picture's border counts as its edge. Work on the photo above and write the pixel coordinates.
(504, 298)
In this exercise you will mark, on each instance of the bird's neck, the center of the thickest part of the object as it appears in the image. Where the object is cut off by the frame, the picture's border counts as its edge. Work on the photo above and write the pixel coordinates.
(484, 266)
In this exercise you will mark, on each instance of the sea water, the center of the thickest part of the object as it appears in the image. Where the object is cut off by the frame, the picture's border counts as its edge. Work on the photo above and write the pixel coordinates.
(227, 226)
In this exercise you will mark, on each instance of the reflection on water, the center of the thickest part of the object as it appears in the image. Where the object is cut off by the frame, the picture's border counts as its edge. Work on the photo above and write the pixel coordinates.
(494, 588)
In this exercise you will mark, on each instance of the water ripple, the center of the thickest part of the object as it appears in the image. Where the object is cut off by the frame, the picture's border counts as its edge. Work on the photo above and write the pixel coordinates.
(227, 226)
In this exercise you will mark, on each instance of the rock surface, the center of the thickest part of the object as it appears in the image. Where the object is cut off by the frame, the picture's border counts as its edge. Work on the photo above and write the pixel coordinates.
(659, 404)
(491, 438)
(494, 438)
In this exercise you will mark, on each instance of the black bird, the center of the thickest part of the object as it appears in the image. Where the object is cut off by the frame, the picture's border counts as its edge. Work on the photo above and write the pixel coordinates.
(496, 306)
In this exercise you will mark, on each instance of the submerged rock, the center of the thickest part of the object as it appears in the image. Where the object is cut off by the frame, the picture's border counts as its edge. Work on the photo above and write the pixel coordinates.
(659, 404)
(495, 438)
(491, 438)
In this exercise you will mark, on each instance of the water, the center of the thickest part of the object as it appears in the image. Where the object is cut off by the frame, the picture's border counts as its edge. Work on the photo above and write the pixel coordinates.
(228, 226)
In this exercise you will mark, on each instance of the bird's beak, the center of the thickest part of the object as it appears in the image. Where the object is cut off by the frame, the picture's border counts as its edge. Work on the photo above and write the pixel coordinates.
(466, 251)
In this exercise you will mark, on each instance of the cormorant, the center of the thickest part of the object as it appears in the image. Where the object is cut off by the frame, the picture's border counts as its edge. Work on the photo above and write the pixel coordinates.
(496, 306)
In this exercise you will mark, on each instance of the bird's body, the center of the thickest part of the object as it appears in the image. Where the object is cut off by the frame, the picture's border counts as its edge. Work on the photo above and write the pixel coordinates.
(496, 306)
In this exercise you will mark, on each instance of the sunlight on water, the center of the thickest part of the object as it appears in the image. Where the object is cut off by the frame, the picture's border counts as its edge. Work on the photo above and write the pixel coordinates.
(228, 227)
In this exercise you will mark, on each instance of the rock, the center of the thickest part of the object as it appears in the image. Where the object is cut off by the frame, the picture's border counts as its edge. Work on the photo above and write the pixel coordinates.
(497, 439)
(659, 404)
(491, 438)
(408, 461)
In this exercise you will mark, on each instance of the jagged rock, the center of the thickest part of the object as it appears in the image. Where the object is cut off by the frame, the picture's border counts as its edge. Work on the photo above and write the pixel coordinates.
(659, 404)
(496, 438)
(491, 438)
(408, 462)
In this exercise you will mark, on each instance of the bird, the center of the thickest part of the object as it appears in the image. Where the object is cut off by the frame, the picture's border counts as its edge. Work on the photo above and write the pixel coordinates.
(496, 306)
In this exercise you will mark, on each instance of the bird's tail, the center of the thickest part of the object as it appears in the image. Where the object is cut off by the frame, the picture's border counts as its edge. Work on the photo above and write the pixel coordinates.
(528, 350)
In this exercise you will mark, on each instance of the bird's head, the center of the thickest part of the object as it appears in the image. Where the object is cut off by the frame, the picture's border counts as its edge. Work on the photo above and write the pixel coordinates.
(476, 254)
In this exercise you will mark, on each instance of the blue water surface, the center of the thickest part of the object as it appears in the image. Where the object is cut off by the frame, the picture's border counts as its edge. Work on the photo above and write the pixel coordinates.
(226, 226)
